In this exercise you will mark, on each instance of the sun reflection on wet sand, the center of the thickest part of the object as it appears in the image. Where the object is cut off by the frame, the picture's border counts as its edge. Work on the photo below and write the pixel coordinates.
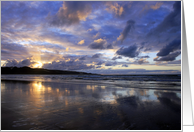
(38, 86)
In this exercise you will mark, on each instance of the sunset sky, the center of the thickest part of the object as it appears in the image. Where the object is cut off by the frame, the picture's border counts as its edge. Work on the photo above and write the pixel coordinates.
(118, 37)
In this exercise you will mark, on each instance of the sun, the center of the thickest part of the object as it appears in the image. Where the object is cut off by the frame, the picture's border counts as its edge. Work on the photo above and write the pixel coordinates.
(38, 65)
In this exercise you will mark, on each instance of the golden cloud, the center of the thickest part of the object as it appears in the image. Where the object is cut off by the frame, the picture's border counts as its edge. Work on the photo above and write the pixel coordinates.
(81, 42)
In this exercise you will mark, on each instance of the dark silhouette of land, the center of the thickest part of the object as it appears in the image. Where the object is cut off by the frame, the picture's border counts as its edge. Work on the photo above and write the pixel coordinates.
(28, 70)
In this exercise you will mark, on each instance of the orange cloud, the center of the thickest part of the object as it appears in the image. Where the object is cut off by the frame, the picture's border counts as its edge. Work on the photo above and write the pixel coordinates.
(156, 6)
(100, 40)
(116, 8)
(81, 42)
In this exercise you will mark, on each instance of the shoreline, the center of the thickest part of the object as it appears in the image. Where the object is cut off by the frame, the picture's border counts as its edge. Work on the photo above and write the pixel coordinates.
(94, 82)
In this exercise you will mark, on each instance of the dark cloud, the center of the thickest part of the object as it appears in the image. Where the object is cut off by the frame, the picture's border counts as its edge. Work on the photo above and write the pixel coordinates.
(100, 44)
(71, 12)
(147, 49)
(171, 23)
(169, 57)
(129, 25)
(146, 56)
(98, 55)
(110, 63)
(100, 63)
(67, 65)
(131, 51)
(175, 62)
(174, 45)
(110, 46)
(8, 50)
(96, 46)
(83, 57)
(117, 57)
(15, 63)
(143, 46)
(98, 66)
(26, 62)
(124, 65)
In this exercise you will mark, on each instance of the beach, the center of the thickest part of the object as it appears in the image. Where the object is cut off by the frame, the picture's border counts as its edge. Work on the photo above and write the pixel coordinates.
(77, 103)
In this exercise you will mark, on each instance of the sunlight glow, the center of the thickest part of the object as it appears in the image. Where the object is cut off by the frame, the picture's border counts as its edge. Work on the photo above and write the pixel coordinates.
(38, 65)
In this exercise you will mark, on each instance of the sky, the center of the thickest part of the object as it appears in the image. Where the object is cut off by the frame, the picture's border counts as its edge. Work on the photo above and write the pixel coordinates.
(106, 37)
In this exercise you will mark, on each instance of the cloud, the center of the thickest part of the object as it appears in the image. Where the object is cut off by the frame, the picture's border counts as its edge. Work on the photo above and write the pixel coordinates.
(21, 15)
(26, 62)
(81, 42)
(125, 65)
(98, 66)
(174, 45)
(146, 56)
(114, 7)
(83, 57)
(72, 12)
(142, 60)
(10, 50)
(171, 23)
(89, 29)
(10, 63)
(169, 57)
(98, 55)
(129, 25)
(93, 59)
(144, 47)
(147, 49)
(117, 57)
(96, 27)
(175, 62)
(131, 51)
(100, 44)
(110, 63)
(100, 63)
(95, 36)
(110, 46)
(121, 9)
(67, 65)
(164, 63)
(15, 63)
(25, 31)
(154, 7)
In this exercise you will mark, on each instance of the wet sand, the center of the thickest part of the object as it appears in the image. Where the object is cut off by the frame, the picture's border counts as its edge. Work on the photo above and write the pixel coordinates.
(74, 105)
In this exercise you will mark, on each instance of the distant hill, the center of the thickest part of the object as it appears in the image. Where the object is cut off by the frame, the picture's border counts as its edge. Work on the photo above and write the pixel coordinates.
(28, 70)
